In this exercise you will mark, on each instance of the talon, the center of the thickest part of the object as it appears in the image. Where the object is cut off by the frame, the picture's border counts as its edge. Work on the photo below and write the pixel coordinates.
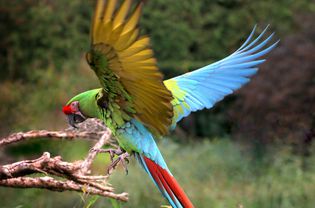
(124, 164)
(123, 159)
(112, 152)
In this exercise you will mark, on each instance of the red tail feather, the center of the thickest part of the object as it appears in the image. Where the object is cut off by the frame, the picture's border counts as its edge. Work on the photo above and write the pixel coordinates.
(168, 182)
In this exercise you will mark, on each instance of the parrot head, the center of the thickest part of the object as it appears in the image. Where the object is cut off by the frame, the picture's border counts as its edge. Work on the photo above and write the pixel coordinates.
(81, 107)
(73, 113)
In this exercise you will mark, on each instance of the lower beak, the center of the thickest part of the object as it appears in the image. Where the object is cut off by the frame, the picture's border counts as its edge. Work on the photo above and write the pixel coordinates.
(71, 120)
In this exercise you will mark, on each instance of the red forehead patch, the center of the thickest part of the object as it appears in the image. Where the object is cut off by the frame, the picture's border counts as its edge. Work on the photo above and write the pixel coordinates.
(67, 110)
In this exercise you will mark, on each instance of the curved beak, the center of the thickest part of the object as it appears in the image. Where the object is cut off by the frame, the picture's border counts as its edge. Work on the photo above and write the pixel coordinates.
(71, 120)
(75, 118)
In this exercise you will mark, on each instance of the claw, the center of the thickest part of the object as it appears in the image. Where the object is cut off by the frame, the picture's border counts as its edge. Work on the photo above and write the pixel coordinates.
(123, 159)
(112, 152)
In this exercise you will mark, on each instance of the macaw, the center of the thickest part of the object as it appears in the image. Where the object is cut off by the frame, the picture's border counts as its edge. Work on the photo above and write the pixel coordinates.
(136, 104)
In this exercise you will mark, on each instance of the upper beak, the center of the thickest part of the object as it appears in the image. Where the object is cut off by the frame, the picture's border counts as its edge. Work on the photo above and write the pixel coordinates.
(71, 120)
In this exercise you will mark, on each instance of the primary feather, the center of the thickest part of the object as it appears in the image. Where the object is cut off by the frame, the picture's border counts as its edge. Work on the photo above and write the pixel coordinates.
(124, 63)
(206, 86)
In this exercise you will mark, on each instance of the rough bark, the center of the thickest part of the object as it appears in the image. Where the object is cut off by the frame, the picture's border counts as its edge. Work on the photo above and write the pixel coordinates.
(55, 174)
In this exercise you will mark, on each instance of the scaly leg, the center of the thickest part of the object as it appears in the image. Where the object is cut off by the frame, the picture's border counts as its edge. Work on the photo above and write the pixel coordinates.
(123, 159)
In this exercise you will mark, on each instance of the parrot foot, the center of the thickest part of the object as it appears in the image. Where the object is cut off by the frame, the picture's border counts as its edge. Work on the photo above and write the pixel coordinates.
(123, 158)
(112, 152)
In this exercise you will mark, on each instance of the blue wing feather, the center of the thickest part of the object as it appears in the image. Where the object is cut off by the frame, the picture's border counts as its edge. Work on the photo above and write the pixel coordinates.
(204, 87)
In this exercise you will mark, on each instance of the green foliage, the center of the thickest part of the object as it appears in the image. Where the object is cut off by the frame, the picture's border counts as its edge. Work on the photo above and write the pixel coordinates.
(38, 34)
(92, 200)
(31, 106)
(115, 203)
(188, 34)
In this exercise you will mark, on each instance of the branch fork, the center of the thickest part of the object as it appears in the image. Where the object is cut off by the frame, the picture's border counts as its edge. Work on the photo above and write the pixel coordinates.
(60, 175)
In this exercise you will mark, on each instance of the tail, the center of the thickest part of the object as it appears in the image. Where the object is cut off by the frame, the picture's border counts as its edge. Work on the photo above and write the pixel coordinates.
(166, 183)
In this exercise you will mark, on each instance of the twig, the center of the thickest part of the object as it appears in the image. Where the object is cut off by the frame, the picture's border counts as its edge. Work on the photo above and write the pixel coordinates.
(37, 134)
(86, 165)
(61, 175)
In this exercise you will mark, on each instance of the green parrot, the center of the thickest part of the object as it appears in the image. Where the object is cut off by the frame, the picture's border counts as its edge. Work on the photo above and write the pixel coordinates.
(136, 104)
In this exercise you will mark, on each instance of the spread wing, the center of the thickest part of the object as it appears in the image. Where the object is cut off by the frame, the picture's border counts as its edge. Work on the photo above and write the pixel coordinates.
(124, 63)
(204, 87)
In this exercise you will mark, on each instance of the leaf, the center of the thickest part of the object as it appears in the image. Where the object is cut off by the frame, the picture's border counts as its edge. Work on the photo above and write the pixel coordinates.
(92, 200)
(115, 203)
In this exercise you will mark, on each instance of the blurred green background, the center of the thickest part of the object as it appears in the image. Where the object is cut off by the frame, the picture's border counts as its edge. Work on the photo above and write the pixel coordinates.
(254, 149)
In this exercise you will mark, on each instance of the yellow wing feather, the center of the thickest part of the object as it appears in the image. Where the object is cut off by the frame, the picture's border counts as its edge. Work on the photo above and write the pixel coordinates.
(130, 58)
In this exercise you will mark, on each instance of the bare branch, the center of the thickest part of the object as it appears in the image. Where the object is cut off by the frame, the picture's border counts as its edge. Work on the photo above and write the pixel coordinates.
(86, 165)
(37, 134)
(91, 129)
(61, 175)
(56, 185)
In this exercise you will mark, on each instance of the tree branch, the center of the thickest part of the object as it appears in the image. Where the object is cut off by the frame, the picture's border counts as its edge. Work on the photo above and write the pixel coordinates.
(61, 175)
(60, 186)
(86, 164)
(37, 134)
